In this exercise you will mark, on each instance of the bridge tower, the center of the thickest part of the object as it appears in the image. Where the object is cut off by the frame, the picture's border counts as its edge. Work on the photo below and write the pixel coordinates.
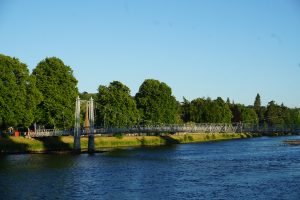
(89, 125)
(77, 131)
(91, 146)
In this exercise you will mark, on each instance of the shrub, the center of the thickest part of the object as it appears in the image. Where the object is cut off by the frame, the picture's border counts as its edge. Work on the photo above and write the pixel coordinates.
(190, 138)
(119, 135)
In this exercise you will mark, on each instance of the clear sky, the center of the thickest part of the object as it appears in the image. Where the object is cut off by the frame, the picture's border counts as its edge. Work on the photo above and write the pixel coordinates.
(200, 48)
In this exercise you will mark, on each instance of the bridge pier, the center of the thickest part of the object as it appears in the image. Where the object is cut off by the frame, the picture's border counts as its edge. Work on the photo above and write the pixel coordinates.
(77, 145)
(91, 146)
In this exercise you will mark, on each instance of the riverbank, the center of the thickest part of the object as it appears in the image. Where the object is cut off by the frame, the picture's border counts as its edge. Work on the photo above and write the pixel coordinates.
(63, 144)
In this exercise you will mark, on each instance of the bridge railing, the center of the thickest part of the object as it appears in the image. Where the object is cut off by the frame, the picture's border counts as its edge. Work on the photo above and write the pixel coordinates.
(175, 128)
(48, 133)
(195, 128)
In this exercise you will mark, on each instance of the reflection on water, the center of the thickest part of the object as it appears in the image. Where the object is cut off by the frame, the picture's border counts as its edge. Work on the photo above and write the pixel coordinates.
(260, 168)
(35, 162)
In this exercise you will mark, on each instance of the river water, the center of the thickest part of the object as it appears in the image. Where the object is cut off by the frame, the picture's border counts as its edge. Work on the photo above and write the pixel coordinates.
(259, 168)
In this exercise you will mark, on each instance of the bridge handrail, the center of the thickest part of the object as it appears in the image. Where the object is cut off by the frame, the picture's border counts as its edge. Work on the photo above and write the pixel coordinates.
(174, 128)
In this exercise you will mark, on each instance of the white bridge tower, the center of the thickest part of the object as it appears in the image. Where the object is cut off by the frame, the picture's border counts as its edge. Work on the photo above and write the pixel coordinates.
(90, 129)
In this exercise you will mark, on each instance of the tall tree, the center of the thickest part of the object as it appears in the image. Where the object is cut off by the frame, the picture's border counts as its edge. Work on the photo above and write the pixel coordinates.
(87, 96)
(210, 111)
(18, 94)
(274, 114)
(186, 110)
(56, 82)
(241, 113)
(260, 110)
(257, 103)
(198, 109)
(295, 116)
(115, 106)
(222, 111)
(156, 103)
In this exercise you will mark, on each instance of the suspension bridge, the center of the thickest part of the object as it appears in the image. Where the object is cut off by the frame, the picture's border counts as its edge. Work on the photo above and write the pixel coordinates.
(90, 130)
(173, 128)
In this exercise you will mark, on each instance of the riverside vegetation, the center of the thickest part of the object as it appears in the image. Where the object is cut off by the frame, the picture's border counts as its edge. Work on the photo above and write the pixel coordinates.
(65, 143)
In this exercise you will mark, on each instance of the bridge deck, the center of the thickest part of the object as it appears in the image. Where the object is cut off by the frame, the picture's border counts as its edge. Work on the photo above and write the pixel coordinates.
(182, 128)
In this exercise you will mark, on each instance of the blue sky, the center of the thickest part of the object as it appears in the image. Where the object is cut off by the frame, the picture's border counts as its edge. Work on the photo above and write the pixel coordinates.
(199, 48)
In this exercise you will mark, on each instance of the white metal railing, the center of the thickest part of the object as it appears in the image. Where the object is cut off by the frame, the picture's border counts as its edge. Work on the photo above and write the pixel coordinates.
(48, 133)
(175, 128)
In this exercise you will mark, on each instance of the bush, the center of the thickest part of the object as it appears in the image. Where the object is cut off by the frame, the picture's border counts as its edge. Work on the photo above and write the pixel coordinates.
(190, 138)
(185, 138)
(119, 135)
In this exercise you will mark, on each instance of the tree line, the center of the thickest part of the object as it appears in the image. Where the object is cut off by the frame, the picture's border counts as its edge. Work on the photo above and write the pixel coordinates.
(47, 97)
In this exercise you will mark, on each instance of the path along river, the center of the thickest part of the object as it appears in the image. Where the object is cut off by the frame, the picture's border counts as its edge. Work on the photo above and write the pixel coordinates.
(259, 168)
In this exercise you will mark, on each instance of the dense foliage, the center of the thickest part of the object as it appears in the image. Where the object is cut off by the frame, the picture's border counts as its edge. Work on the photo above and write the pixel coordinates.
(115, 106)
(281, 115)
(58, 86)
(244, 114)
(87, 96)
(203, 110)
(48, 95)
(18, 94)
(156, 103)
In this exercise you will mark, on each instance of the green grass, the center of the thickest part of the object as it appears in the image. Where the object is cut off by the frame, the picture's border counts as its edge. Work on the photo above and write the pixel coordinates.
(65, 143)
(206, 137)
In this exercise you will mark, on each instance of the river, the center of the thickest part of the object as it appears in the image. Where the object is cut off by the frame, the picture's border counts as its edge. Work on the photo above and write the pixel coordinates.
(258, 168)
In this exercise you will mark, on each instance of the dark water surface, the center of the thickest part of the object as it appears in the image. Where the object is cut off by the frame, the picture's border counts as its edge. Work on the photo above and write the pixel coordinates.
(259, 168)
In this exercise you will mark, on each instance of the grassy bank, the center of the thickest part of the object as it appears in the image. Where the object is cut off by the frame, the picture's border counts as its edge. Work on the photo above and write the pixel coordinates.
(65, 143)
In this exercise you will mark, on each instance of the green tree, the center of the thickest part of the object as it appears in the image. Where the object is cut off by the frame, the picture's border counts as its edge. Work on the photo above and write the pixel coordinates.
(222, 111)
(198, 109)
(210, 111)
(257, 103)
(228, 101)
(274, 114)
(87, 96)
(295, 116)
(260, 110)
(185, 110)
(156, 103)
(244, 114)
(18, 94)
(115, 106)
(56, 82)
